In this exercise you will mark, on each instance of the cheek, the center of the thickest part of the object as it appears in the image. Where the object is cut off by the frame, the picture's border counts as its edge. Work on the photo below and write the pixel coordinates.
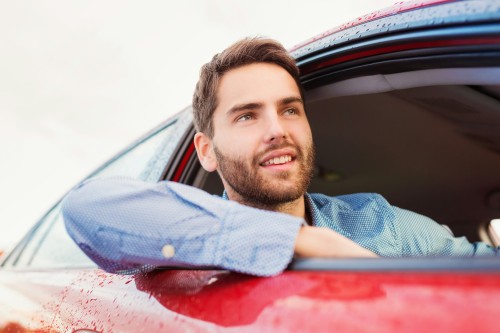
(238, 141)
(303, 134)
(234, 147)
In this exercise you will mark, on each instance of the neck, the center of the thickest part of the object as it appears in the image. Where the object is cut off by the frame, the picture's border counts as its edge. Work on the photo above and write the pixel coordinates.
(296, 207)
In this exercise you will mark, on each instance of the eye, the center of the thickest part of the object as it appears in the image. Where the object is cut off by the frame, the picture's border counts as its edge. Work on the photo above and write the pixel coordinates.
(244, 117)
(290, 112)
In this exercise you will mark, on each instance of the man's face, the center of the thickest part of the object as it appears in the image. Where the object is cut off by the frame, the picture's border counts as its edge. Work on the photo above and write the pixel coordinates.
(262, 140)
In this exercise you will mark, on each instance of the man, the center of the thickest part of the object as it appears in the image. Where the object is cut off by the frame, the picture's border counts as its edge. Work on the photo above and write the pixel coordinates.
(252, 129)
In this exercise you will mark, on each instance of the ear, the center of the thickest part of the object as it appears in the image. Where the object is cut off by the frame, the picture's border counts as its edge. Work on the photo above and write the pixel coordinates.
(204, 149)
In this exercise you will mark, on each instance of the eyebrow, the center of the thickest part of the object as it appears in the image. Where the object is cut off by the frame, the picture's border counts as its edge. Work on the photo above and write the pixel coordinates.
(255, 106)
(290, 100)
(244, 107)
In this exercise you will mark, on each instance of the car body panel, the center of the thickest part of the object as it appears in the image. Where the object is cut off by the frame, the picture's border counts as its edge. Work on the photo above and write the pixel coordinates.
(220, 301)
(398, 8)
(414, 16)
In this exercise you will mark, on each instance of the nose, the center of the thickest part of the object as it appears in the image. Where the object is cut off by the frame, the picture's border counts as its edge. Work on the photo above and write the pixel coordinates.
(275, 128)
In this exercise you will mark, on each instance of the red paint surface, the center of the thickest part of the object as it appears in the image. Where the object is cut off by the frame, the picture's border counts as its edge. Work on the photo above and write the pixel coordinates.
(219, 301)
(183, 163)
(398, 7)
(400, 47)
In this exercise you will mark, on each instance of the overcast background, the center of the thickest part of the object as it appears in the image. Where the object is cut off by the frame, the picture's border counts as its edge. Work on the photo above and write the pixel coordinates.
(79, 79)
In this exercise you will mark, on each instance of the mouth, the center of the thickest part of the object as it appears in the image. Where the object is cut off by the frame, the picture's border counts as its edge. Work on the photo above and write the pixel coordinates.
(278, 160)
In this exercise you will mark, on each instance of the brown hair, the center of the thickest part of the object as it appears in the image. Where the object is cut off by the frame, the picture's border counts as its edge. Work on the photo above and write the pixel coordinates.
(244, 52)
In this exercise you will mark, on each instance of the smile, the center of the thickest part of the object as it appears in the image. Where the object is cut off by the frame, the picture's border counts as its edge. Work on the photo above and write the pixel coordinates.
(278, 160)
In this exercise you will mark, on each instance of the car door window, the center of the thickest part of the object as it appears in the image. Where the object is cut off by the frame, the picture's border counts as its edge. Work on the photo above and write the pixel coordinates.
(51, 246)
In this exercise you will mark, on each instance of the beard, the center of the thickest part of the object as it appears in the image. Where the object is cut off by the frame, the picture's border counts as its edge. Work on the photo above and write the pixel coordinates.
(261, 191)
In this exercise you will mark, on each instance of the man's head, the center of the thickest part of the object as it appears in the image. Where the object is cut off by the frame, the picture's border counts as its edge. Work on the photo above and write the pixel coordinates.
(252, 127)
(244, 52)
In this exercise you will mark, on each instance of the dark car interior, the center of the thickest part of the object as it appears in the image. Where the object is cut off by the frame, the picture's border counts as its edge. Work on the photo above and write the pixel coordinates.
(428, 141)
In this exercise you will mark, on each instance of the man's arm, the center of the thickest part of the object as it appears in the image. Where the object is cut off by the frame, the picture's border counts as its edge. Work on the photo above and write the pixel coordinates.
(126, 226)
(326, 243)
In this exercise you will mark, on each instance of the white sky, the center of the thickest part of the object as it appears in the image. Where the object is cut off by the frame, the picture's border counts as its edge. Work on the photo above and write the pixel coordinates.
(81, 79)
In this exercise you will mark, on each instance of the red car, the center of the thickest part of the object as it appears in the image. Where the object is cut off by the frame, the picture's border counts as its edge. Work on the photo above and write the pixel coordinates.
(404, 102)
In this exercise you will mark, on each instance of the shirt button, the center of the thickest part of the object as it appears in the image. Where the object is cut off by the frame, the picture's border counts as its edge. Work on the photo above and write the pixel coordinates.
(168, 251)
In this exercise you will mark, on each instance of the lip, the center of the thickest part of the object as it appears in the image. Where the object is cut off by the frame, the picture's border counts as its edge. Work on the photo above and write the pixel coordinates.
(278, 153)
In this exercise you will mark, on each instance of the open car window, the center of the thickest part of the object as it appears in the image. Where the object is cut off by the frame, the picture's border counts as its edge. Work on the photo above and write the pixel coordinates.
(428, 141)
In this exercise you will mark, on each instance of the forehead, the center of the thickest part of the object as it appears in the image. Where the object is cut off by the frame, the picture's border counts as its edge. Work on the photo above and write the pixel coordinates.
(255, 83)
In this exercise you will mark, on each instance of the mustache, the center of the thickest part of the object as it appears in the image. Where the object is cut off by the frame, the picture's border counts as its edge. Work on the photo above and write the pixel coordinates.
(275, 146)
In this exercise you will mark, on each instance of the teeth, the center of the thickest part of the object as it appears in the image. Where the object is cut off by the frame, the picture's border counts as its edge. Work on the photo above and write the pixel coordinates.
(278, 160)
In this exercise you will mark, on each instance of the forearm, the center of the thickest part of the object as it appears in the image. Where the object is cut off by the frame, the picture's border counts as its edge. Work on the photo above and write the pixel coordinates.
(326, 243)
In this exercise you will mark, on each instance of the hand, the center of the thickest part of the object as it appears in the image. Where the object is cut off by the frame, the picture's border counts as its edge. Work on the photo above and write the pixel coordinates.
(326, 243)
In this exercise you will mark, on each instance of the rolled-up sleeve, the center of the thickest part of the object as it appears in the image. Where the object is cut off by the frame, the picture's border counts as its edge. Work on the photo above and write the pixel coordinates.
(126, 225)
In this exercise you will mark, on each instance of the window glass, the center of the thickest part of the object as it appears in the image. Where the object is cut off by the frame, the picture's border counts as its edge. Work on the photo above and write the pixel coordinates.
(136, 162)
(51, 246)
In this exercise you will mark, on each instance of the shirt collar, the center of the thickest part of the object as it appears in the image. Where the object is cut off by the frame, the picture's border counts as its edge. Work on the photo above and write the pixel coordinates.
(311, 208)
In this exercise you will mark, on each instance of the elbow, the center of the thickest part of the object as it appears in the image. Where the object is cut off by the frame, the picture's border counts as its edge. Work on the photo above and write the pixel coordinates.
(71, 207)
(78, 210)
(73, 210)
(87, 203)
(79, 198)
